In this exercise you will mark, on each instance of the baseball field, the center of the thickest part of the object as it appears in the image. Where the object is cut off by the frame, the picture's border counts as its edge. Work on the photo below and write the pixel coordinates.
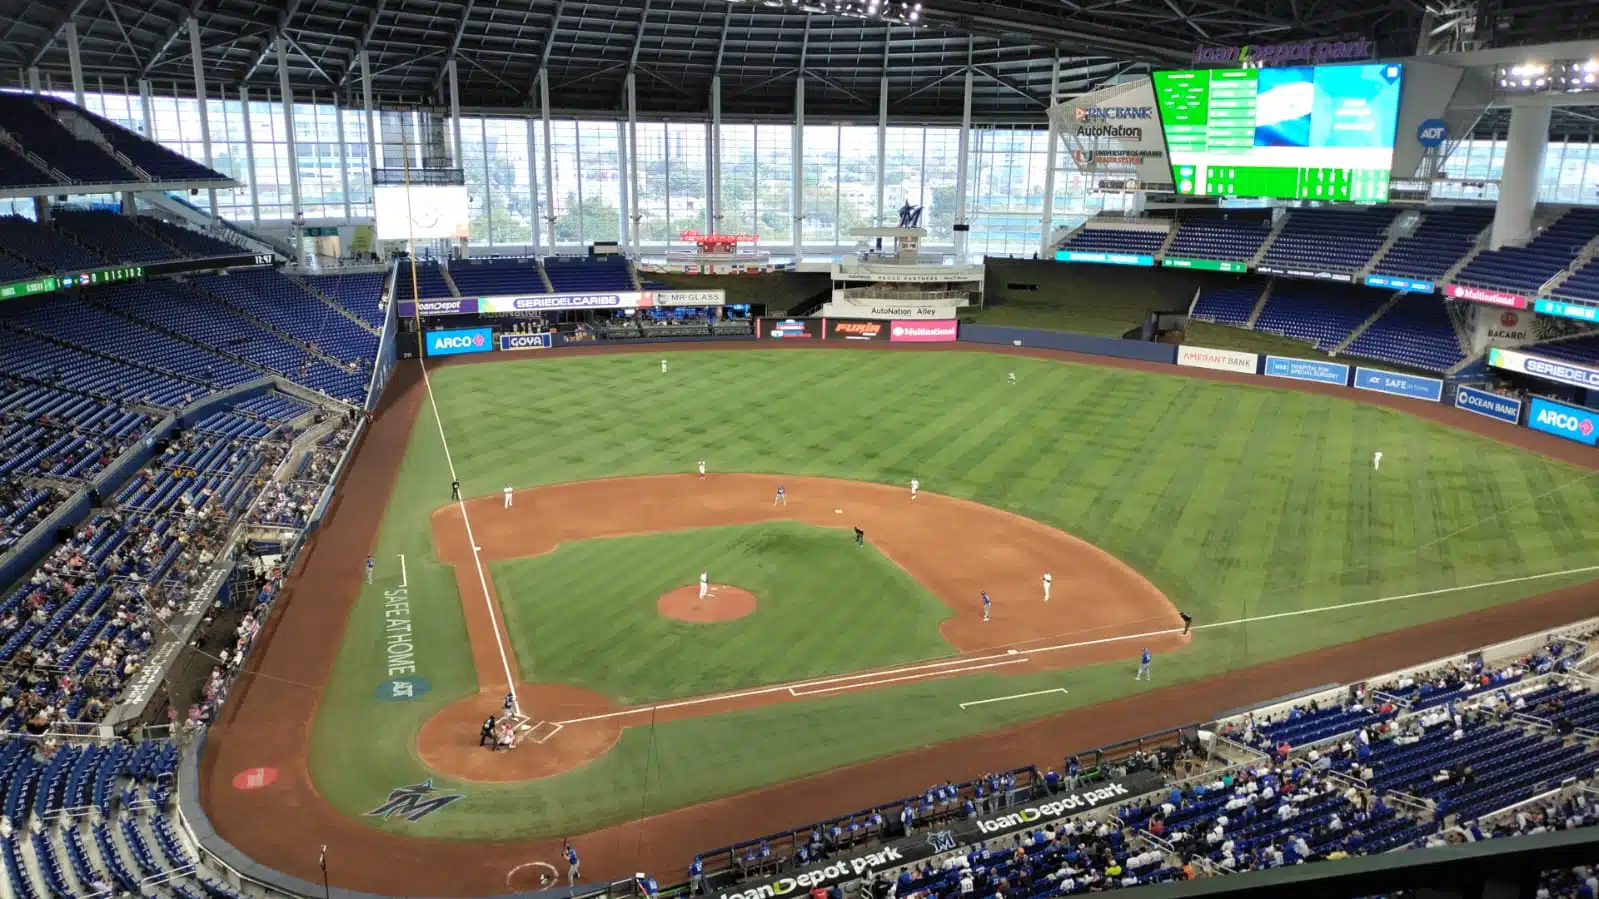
(1257, 511)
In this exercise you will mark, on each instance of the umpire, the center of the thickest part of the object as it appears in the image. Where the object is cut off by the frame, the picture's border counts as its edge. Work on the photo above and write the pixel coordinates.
(485, 735)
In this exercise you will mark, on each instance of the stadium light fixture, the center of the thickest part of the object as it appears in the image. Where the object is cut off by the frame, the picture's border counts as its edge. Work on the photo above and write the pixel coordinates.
(896, 12)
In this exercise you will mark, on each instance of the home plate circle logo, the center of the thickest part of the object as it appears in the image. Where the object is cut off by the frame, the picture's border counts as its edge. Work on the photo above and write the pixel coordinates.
(255, 778)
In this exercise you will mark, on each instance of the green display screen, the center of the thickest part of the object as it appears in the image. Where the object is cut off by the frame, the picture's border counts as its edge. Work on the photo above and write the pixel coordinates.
(1298, 133)
(1209, 265)
(47, 284)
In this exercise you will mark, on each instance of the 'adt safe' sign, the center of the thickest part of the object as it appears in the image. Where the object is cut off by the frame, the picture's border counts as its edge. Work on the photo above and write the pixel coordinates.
(1432, 133)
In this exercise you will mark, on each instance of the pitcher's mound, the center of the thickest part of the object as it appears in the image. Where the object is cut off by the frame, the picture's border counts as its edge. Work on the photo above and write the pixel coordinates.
(724, 604)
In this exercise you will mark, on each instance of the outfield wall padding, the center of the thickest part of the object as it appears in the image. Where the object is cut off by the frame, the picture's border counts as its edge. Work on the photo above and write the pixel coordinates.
(1070, 343)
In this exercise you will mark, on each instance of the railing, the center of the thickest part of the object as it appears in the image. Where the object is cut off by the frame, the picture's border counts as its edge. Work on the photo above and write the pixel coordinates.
(889, 293)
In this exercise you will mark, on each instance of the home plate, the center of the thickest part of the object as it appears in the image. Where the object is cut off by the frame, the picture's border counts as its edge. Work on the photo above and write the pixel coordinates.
(838, 511)
(477, 549)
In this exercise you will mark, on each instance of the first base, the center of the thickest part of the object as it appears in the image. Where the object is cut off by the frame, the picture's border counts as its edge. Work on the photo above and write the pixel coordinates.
(838, 511)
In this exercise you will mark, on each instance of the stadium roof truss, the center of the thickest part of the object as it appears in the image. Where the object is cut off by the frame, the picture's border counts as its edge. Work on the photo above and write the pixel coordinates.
(675, 47)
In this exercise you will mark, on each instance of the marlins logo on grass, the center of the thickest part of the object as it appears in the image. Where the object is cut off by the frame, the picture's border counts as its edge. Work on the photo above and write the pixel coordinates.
(413, 803)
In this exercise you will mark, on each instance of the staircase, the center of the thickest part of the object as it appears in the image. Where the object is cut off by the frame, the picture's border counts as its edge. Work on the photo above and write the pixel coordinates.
(1265, 245)
(34, 158)
(331, 303)
(179, 209)
(1166, 244)
(444, 272)
(1376, 257)
(1457, 319)
(1583, 258)
(1260, 304)
(544, 276)
(1361, 328)
(266, 326)
(1062, 235)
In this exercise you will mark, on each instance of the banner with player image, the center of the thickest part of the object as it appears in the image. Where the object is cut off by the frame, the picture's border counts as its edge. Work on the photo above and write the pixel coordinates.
(789, 328)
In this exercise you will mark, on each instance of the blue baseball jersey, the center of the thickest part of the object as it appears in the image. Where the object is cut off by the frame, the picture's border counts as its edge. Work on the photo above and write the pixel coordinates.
(571, 855)
(369, 561)
(1145, 658)
(986, 600)
(780, 490)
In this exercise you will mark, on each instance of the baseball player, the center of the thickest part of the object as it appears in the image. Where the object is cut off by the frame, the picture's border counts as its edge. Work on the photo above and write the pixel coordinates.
(705, 584)
(702, 469)
(987, 604)
(1376, 461)
(860, 537)
(369, 569)
(572, 864)
(508, 493)
(1047, 581)
(455, 490)
(915, 486)
(782, 497)
(1188, 622)
(1013, 377)
(663, 366)
(509, 705)
(1143, 666)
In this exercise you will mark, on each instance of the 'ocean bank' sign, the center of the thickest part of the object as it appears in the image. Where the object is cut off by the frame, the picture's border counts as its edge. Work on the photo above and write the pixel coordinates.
(1307, 370)
(1492, 405)
(1380, 381)
(1570, 422)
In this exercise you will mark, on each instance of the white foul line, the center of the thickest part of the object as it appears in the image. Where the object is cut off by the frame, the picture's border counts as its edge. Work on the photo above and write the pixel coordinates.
(404, 580)
(477, 560)
(874, 678)
(795, 691)
(967, 705)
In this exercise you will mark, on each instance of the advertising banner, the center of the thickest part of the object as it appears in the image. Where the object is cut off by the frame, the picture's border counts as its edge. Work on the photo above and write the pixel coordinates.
(1305, 273)
(1547, 369)
(1484, 295)
(1492, 405)
(460, 340)
(790, 328)
(1379, 381)
(526, 341)
(1503, 327)
(1104, 258)
(924, 332)
(1409, 285)
(409, 309)
(47, 284)
(627, 299)
(1306, 370)
(839, 329)
(1293, 53)
(1218, 360)
(1547, 307)
(1207, 265)
(1116, 131)
(1570, 422)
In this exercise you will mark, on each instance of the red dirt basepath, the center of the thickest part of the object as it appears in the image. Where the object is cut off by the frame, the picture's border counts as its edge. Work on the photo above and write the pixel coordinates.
(725, 603)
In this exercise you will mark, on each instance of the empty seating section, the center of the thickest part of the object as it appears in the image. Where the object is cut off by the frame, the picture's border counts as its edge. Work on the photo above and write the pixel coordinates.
(587, 275)
(83, 148)
(1319, 315)
(427, 282)
(1415, 332)
(1582, 285)
(1329, 240)
(1217, 238)
(492, 277)
(362, 293)
(190, 242)
(1140, 241)
(1581, 349)
(266, 295)
(17, 171)
(46, 249)
(32, 123)
(160, 163)
(1227, 306)
(1443, 238)
(1526, 269)
(116, 237)
(12, 269)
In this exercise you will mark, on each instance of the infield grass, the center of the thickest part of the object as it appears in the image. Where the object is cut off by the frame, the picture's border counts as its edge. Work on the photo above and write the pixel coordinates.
(605, 592)
(1238, 501)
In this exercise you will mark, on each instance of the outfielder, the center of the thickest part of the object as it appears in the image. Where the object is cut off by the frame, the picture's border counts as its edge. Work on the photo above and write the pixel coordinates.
(705, 584)
(1143, 666)
(782, 497)
(915, 486)
(369, 569)
(508, 493)
(702, 469)
(987, 604)
(1376, 461)
(663, 366)
(1047, 581)
(1013, 377)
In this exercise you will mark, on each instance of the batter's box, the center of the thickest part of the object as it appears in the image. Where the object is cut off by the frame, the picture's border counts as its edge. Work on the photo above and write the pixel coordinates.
(540, 732)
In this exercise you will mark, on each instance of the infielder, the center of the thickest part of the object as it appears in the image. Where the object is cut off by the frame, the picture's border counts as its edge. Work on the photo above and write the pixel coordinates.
(702, 469)
(987, 604)
(663, 366)
(705, 584)
(1376, 461)
(455, 490)
(508, 493)
(1047, 581)
(782, 497)
(915, 486)
(369, 569)
(1143, 666)
(572, 866)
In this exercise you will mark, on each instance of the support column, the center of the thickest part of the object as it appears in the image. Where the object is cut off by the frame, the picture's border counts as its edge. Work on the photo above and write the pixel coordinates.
(365, 62)
(344, 156)
(799, 168)
(1051, 159)
(286, 94)
(713, 174)
(249, 157)
(1518, 185)
(624, 158)
(533, 190)
(147, 109)
(455, 113)
(34, 85)
(630, 97)
(203, 98)
(881, 218)
(549, 164)
(961, 169)
(74, 61)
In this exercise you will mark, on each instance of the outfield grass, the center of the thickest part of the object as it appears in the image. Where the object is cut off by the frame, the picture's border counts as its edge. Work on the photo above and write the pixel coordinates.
(602, 593)
(1237, 501)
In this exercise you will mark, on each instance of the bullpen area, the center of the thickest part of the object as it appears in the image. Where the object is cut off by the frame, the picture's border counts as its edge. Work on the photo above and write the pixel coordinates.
(818, 673)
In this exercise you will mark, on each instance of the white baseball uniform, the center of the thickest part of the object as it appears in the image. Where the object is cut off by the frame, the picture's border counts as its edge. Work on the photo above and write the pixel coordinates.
(705, 584)
(702, 468)
(1047, 581)
(1376, 460)
(508, 493)
(663, 366)
(1013, 377)
(915, 486)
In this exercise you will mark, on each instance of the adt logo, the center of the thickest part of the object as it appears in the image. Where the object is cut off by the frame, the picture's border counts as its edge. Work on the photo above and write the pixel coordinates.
(1432, 133)
(403, 689)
